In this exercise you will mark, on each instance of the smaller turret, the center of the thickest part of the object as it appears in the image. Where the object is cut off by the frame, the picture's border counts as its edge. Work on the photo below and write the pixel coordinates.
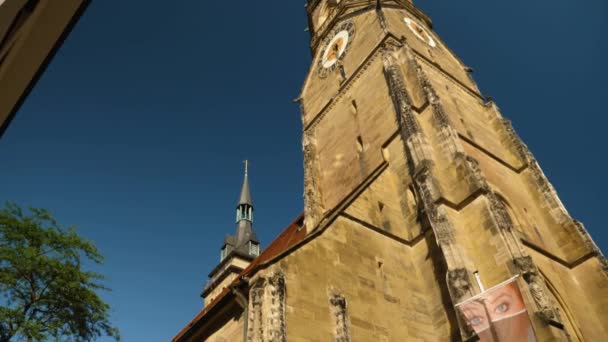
(237, 250)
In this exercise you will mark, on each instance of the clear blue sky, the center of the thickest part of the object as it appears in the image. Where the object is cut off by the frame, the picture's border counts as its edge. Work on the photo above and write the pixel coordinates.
(137, 131)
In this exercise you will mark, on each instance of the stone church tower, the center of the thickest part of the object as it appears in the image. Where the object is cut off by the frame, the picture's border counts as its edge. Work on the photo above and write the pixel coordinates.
(418, 196)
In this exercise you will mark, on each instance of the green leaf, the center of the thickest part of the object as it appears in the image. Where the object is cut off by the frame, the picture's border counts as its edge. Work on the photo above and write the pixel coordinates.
(44, 292)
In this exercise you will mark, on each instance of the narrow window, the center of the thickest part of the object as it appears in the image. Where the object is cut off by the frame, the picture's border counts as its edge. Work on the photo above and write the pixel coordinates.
(254, 248)
(359, 144)
(342, 73)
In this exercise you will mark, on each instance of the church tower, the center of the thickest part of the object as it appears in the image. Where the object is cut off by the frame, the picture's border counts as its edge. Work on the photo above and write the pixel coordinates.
(399, 140)
(237, 250)
(426, 218)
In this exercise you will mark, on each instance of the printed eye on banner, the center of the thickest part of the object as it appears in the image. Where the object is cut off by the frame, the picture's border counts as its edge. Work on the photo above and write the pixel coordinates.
(499, 314)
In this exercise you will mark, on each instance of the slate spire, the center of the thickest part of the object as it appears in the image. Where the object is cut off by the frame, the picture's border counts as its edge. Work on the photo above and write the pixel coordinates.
(239, 249)
(245, 241)
(245, 197)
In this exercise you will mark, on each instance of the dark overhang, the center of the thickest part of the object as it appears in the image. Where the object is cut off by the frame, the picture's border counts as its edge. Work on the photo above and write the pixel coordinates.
(31, 32)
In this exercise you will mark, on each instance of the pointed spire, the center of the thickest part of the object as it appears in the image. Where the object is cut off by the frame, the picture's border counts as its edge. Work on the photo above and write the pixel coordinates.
(244, 216)
(244, 245)
(245, 197)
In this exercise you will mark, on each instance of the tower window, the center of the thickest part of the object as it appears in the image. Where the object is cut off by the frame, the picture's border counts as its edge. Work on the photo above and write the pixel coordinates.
(359, 144)
(342, 73)
(254, 248)
(244, 212)
(353, 107)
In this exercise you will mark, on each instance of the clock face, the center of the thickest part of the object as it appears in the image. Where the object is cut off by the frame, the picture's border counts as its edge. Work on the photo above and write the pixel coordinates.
(335, 50)
(336, 44)
(420, 32)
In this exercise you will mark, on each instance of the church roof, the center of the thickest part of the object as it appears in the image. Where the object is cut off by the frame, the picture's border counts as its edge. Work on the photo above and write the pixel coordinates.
(290, 236)
(293, 234)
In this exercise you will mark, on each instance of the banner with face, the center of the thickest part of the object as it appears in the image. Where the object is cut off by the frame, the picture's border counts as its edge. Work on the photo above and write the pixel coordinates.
(499, 314)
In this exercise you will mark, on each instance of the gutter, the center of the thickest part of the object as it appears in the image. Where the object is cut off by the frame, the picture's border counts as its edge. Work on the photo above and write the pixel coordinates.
(243, 302)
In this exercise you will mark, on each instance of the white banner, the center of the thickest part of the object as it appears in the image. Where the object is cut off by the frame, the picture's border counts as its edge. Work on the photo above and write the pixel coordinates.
(499, 314)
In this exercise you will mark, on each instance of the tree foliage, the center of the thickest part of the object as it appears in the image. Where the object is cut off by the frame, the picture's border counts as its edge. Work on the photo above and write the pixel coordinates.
(44, 292)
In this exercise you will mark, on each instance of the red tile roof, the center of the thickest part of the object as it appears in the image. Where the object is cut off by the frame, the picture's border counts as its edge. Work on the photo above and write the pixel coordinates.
(293, 234)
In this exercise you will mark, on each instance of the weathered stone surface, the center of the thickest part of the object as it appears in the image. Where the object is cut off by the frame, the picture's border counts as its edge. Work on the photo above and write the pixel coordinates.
(462, 177)
(413, 181)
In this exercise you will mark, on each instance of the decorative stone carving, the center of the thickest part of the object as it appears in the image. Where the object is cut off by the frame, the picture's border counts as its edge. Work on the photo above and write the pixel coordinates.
(339, 312)
(428, 190)
(591, 244)
(474, 176)
(266, 321)
(520, 148)
(503, 219)
(443, 228)
(313, 207)
(416, 143)
(275, 300)
(399, 95)
(459, 283)
(536, 285)
(447, 133)
(255, 320)
(546, 190)
(421, 163)
(548, 193)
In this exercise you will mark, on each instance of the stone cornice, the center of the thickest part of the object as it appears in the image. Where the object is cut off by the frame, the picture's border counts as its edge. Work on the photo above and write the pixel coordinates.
(568, 263)
(324, 29)
(209, 287)
(493, 156)
(365, 64)
(318, 34)
(408, 242)
(230, 256)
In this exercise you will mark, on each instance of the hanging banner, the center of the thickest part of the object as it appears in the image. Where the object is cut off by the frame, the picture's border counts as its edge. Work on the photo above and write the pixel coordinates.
(499, 314)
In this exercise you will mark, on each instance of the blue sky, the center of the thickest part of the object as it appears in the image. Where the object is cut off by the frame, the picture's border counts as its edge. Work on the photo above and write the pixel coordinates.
(137, 131)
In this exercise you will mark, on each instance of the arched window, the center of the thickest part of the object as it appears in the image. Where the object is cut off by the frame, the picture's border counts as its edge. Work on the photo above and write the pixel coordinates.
(567, 317)
(516, 221)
